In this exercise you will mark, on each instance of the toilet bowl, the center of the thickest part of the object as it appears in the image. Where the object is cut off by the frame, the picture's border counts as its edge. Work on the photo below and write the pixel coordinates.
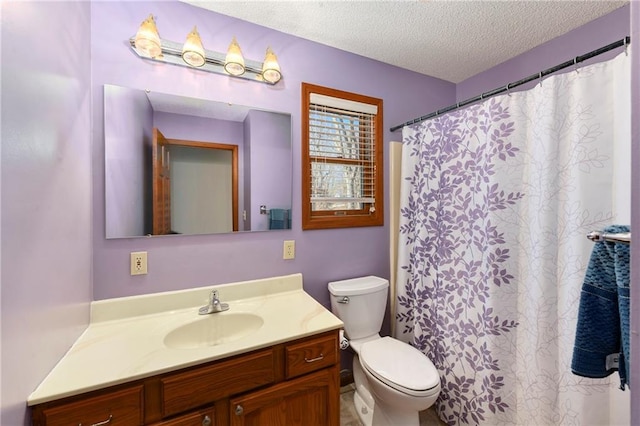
(394, 381)
(402, 379)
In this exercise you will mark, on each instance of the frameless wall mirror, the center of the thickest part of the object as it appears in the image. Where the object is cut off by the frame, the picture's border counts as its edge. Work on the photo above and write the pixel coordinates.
(179, 165)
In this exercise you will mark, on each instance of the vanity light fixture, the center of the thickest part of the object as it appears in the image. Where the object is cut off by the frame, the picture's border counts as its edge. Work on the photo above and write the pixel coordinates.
(147, 39)
(192, 51)
(271, 68)
(234, 62)
(147, 44)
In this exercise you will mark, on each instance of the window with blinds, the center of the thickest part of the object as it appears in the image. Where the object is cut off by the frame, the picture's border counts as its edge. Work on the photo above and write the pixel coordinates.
(342, 159)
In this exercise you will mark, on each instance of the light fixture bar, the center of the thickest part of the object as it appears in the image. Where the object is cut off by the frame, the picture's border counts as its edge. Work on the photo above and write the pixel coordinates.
(214, 61)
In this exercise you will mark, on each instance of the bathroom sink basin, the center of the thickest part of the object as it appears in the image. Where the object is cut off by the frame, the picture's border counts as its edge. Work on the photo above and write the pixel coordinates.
(212, 330)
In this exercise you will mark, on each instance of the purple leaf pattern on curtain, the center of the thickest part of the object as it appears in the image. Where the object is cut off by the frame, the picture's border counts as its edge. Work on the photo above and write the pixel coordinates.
(496, 200)
(464, 252)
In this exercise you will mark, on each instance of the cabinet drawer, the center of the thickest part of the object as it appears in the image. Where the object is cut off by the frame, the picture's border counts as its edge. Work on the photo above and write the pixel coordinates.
(201, 418)
(311, 355)
(117, 408)
(202, 385)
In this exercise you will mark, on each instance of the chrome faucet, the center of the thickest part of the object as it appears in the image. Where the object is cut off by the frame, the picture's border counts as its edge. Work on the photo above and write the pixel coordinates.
(214, 305)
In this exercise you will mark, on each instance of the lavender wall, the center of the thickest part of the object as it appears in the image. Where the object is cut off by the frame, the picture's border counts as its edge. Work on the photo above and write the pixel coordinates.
(270, 159)
(635, 210)
(128, 122)
(46, 188)
(595, 34)
(177, 262)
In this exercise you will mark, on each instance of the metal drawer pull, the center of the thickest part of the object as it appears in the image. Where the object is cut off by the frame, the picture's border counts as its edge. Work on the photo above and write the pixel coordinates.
(314, 359)
(206, 421)
(239, 410)
(104, 422)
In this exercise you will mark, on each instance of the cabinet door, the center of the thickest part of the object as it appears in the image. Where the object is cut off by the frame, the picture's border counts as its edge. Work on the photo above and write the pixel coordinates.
(312, 400)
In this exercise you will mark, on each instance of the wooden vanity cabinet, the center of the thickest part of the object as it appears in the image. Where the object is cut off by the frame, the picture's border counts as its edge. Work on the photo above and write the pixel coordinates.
(292, 383)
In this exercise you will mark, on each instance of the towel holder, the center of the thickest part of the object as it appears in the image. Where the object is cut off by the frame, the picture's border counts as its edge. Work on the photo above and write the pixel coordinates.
(598, 236)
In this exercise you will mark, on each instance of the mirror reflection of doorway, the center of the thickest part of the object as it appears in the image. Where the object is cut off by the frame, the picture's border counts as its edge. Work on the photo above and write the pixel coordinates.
(200, 175)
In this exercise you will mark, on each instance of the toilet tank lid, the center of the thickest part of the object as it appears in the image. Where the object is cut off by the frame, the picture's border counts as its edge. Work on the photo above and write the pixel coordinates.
(356, 286)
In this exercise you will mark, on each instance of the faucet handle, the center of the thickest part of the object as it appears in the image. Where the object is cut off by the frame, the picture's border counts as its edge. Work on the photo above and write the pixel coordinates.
(214, 304)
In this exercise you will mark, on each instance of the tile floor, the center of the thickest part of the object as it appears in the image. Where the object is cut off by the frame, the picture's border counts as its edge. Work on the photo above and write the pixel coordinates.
(349, 417)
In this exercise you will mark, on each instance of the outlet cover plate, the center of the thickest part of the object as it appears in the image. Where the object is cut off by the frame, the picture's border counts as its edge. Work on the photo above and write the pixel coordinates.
(289, 250)
(138, 263)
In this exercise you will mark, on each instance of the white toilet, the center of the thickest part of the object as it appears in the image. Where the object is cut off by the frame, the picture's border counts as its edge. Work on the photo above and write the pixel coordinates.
(394, 381)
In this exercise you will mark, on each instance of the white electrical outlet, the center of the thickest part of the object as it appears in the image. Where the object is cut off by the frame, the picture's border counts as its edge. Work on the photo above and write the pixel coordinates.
(138, 263)
(289, 250)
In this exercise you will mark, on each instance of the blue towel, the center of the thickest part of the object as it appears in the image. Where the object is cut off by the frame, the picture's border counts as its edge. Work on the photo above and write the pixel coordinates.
(279, 219)
(602, 335)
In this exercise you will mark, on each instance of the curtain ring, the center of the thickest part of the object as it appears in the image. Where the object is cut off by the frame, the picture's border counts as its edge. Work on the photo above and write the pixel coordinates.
(626, 51)
(507, 89)
(540, 78)
(575, 64)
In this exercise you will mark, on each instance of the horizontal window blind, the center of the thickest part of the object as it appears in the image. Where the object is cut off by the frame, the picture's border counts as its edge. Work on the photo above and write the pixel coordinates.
(342, 154)
(343, 104)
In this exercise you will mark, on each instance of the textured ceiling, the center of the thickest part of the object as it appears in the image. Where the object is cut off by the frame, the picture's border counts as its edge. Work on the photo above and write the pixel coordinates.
(451, 40)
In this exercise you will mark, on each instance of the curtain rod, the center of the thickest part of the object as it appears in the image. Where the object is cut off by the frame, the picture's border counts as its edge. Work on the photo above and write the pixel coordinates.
(622, 42)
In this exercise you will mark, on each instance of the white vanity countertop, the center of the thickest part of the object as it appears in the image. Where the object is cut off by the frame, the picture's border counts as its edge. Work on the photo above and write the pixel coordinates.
(124, 339)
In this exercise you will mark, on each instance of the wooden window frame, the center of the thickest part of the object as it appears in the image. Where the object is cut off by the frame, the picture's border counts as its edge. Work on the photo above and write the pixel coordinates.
(341, 218)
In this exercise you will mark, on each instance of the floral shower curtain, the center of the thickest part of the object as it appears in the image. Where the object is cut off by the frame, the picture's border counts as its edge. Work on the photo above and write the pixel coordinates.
(496, 202)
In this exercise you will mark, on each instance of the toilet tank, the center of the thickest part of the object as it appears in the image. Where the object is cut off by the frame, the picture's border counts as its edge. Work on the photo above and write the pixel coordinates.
(360, 303)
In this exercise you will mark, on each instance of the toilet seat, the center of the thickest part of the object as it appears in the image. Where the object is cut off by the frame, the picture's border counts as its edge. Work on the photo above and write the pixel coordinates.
(400, 366)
